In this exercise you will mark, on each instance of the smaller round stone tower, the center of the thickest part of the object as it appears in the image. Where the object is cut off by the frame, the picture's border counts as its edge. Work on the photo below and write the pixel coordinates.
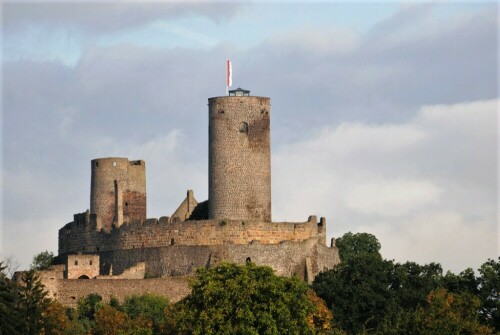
(117, 191)
(239, 170)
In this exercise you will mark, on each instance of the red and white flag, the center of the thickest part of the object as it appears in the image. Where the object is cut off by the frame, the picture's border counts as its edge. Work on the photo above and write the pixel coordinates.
(229, 73)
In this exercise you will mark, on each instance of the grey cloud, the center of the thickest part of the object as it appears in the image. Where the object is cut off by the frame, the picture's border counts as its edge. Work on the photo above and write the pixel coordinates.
(125, 100)
(95, 17)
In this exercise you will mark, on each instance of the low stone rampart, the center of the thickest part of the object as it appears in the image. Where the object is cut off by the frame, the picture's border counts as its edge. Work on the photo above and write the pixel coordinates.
(69, 291)
(81, 235)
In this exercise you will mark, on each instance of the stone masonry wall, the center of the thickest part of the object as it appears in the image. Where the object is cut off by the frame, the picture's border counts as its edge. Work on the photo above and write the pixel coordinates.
(69, 291)
(118, 190)
(286, 258)
(81, 234)
(82, 265)
(239, 165)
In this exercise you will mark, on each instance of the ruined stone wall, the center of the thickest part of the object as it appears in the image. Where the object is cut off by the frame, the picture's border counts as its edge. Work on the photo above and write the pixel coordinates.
(118, 190)
(239, 173)
(69, 291)
(286, 258)
(81, 235)
(82, 265)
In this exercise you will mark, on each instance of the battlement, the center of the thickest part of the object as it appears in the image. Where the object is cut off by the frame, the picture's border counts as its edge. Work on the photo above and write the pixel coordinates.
(233, 225)
(81, 235)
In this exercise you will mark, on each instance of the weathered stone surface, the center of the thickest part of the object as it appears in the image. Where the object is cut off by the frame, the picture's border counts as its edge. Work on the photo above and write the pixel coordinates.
(239, 171)
(117, 191)
(234, 225)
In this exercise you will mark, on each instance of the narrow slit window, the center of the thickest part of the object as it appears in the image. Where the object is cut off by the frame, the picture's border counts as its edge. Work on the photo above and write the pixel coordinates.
(244, 127)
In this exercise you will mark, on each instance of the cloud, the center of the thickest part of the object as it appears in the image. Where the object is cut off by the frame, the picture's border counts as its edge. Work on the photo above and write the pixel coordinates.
(98, 18)
(368, 129)
(308, 39)
(406, 182)
(391, 197)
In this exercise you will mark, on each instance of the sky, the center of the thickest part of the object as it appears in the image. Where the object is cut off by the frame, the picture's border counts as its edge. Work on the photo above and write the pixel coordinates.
(384, 115)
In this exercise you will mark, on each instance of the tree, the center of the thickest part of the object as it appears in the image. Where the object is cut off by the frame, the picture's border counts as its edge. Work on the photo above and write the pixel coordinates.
(358, 292)
(54, 320)
(11, 321)
(146, 306)
(88, 306)
(10, 266)
(42, 261)
(448, 313)
(351, 245)
(109, 321)
(33, 301)
(412, 283)
(249, 299)
(489, 293)
(465, 281)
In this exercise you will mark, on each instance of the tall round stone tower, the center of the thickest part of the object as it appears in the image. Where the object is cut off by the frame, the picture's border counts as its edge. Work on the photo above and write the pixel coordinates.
(117, 191)
(239, 151)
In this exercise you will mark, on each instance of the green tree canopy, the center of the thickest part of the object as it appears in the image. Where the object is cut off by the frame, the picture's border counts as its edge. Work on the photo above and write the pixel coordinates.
(42, 261)
(147, 306)
(351, 245)
(88, 306)
(489, 292)
(358, 292)
(33, 301)
(249, 299)
(11, 320)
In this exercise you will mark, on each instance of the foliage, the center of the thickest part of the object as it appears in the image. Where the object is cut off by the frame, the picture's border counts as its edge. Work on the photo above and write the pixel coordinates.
(42, 261)
(54, 320)
(448, 313)
(358, 292)
(11, 320)
(249, 299)
(412, 282)
(88, 306)
(10, 266)
(351, 245)
(33, 301)
(369, 295)
(147, 306)
(109, 321)
(489, 293)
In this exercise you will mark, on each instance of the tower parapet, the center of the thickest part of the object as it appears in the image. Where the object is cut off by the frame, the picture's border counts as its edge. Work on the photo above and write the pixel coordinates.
(239, 168)
(118, 191)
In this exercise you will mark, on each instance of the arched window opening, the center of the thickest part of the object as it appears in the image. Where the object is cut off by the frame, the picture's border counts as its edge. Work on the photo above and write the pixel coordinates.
(83, 277)
(248, 260)
(244, 127)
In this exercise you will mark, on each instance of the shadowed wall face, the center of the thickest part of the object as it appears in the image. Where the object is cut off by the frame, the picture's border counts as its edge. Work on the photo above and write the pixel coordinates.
(239, 158)
(118, 191)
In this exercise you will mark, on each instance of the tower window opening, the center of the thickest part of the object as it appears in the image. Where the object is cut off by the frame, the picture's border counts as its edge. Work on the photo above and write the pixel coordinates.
(96, 164)
(172, 242)
(244, 127)
(90, 263)
(76, 262)
(126, 204)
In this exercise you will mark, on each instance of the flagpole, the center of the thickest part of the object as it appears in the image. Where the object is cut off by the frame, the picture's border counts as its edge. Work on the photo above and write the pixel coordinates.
(229, 76)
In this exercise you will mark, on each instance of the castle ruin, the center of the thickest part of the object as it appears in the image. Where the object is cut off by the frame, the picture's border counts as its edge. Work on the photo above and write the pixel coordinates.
(115, 239)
